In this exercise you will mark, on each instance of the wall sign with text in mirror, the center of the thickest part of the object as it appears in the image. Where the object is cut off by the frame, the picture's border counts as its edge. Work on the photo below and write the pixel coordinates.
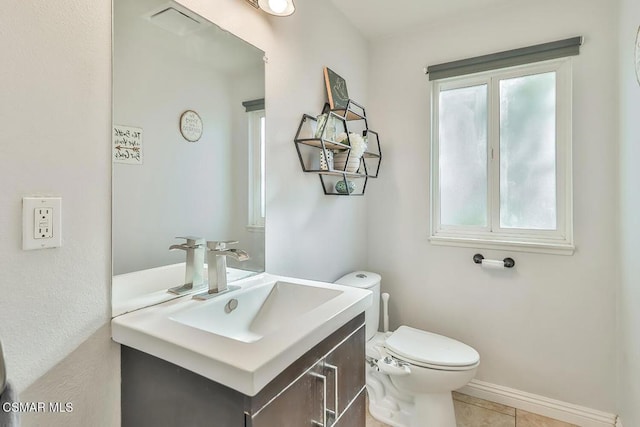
(191, 126)
(127, 145)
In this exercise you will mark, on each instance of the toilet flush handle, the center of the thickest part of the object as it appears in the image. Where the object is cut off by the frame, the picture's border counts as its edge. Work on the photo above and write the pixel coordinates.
(391, 366)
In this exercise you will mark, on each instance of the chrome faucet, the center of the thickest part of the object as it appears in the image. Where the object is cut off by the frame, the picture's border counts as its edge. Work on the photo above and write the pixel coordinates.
(194, 274)
(217, 253)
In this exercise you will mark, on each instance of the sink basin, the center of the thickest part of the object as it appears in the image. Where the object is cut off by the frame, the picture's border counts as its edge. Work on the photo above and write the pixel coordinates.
(261, 310)
(276, 320)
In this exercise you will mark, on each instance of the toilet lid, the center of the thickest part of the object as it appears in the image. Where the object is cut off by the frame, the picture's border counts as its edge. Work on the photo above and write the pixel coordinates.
(431, 350)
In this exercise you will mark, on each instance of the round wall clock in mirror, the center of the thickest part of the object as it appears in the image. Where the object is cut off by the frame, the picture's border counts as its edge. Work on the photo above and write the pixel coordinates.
(191, 126)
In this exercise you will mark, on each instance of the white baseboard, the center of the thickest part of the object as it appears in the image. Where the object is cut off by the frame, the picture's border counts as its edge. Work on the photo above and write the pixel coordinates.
(563, 411)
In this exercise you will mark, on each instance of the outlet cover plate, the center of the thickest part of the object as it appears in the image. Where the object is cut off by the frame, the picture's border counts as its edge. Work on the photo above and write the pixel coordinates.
(53, 236)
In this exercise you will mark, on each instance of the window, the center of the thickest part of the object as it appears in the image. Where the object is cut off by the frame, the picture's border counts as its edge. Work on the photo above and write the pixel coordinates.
(501, 159)
(257, 178)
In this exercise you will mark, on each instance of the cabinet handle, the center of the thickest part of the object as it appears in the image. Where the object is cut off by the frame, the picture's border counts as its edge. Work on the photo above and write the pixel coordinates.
(334, 368)
(324, 400)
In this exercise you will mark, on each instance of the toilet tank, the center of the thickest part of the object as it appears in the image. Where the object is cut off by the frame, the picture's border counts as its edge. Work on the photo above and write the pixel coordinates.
(370, 281)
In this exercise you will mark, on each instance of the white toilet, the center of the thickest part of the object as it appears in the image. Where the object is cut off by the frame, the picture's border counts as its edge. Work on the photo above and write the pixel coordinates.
(410, 372)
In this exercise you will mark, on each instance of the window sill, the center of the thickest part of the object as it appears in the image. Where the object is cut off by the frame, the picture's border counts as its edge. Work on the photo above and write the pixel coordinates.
(534, 247)
(255, 228)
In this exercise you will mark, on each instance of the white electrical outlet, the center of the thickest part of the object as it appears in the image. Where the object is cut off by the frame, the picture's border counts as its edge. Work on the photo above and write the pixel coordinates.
(42, 225)
(41, 222)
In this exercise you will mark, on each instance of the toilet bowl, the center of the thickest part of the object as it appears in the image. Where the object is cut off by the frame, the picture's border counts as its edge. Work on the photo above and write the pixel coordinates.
(410, 372)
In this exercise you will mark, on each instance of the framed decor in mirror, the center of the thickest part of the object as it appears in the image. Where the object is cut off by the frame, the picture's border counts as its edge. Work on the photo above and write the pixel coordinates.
(178, 77)
(191, 126)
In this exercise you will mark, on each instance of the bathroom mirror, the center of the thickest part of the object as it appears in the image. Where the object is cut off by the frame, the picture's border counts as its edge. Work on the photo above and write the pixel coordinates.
(188, 146)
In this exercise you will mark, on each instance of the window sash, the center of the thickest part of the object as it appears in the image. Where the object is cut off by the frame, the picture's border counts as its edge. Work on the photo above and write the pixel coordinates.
(493, 233)
(256, 214)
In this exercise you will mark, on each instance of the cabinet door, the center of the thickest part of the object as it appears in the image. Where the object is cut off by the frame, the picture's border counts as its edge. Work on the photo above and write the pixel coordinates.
(355, 415)
(345, 370)
(301, 404)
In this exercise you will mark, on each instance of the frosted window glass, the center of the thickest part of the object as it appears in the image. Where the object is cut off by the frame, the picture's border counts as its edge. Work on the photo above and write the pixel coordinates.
(463, 156)
(528, 152)
(263, 167)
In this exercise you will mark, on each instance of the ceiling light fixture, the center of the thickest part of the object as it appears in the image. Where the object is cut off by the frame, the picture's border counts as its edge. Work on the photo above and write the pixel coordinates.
(275, 7)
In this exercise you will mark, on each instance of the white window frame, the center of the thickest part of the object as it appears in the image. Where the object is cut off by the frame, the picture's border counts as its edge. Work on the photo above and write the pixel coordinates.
(257, 164)
(559, 241)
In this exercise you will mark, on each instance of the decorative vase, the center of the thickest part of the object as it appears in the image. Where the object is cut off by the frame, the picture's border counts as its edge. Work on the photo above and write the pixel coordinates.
(342, 161)
(342, 188)
(326, 164)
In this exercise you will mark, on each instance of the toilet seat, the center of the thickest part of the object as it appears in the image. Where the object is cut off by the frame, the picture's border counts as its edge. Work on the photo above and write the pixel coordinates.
(429, 350)
(374, 348)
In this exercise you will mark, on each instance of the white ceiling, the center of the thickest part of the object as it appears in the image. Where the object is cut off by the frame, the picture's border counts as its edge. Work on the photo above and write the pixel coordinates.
(376, 18)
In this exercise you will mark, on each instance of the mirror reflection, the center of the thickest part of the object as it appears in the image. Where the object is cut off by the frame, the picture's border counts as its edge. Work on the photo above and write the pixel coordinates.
(188, 147)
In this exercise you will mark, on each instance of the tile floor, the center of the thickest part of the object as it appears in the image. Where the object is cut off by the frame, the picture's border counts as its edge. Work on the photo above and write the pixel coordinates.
(474, 412)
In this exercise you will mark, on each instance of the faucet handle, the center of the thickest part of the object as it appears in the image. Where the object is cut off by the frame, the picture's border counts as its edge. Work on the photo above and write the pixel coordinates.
(214, 245)
(192, 242)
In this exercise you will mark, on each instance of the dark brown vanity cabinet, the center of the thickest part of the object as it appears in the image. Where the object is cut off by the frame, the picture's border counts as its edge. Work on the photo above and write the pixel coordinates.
(300, 404)
(344, 367)
(324, 387)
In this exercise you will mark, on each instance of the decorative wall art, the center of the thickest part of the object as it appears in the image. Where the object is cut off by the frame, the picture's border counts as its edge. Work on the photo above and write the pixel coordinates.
(127, 145)
(191, 126)
(338, 144)
(336, 90)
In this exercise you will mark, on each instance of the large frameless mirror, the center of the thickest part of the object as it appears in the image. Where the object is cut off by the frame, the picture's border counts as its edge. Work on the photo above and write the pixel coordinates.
(188, 147)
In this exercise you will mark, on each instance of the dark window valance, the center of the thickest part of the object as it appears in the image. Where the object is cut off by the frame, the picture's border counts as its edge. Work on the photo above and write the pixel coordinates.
(509, 58)
(254, 105)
